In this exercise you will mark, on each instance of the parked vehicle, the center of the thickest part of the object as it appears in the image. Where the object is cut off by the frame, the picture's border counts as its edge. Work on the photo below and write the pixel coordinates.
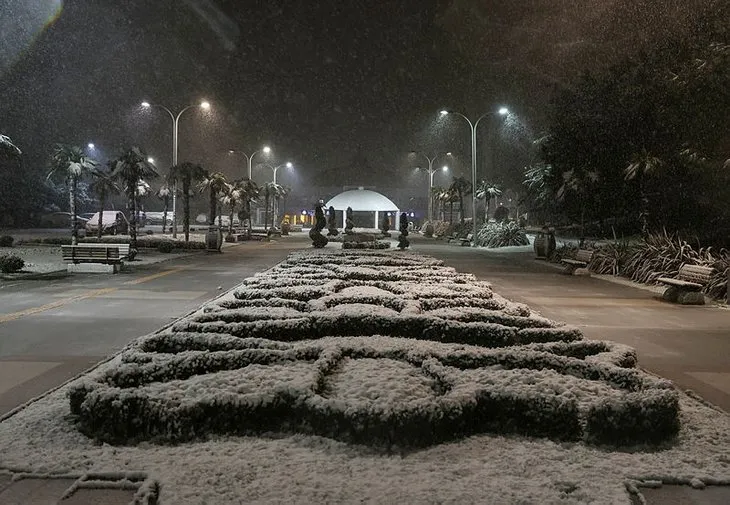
(113, 222)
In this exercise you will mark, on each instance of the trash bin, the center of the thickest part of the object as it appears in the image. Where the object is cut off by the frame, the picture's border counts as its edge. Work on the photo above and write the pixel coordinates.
(544, 243)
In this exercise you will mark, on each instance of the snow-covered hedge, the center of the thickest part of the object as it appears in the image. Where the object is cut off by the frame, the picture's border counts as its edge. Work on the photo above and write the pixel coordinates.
(307, 388)
(348, 345)
(374, 244)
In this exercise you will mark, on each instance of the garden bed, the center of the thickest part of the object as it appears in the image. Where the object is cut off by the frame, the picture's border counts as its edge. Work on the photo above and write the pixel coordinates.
(330, 342)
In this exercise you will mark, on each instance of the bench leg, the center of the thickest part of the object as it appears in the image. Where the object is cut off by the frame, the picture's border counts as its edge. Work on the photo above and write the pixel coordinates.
(674, 294)
(569, 269)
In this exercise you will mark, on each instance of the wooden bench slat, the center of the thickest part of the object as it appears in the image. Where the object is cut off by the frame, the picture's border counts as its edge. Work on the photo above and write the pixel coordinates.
(582, 259)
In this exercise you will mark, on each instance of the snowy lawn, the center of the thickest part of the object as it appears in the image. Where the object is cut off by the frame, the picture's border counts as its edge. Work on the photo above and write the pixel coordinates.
(351, 376)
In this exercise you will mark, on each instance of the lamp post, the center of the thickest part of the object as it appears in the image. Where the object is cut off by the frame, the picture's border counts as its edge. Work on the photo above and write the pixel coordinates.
(275, 169)
(249, 159)
(431, 171)
(502, 111)
(175, 121)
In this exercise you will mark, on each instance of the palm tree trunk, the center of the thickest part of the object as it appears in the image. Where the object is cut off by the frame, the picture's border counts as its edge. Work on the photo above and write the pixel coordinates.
(486, 209)
(164, 214)
(101, 215)
(266, 212)
(451, 212)
(230, 219)
(461, 208)
(211, 207)
(248, 213)
(186, 209)
(72, 206)
(131, 195)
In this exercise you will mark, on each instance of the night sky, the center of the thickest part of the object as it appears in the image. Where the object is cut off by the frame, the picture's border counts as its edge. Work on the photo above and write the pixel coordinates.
(342, 88)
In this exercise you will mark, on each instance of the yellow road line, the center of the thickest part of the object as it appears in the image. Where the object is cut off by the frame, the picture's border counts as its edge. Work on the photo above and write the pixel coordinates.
(4, 318)
(157, 275)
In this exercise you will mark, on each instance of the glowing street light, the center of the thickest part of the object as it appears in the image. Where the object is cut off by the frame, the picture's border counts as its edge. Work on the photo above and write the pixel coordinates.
(431, 171)
(249, 159)
(151, 160)
(90, 145)
(175, 122)
(502, 111)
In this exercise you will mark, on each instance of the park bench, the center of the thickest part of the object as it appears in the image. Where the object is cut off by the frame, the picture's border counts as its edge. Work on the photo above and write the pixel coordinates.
(107, 257)
(467, 240)
(686, 287)
(582, 259)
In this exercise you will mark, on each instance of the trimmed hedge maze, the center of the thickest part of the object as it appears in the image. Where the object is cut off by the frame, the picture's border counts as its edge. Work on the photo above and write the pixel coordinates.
(378, 348)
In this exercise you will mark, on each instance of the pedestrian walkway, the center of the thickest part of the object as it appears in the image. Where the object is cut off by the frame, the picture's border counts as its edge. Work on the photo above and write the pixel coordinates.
(19, 489)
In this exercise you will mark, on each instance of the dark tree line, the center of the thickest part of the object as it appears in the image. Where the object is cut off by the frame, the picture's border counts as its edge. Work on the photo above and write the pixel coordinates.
(644, 145)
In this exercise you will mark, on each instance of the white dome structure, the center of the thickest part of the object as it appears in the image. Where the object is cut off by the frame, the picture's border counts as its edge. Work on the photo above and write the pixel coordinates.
(364, 200)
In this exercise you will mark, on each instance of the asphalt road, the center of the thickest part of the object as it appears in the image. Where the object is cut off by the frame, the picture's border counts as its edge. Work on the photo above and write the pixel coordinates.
(51, 330)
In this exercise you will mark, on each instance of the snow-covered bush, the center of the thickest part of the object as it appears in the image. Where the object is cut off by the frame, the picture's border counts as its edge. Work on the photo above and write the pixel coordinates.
(388, 393)
(373, 347)
(501, 235)
(375, 244)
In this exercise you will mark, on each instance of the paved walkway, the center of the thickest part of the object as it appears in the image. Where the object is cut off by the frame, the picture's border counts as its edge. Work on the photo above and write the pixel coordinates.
(688, 345)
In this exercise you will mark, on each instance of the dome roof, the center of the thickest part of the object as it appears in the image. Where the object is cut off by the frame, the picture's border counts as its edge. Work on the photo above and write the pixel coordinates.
(362, 200)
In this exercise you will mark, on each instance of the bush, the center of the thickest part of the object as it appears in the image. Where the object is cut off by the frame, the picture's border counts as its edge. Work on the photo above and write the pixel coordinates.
(6, 241)
(501, 235)
(10, 263)
(166, 247)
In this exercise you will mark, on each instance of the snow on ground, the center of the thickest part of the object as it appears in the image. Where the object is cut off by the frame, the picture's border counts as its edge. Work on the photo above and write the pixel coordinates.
(308, 469)
(285, 468)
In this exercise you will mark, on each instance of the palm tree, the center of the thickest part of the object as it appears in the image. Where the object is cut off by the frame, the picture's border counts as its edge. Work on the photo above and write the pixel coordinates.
(7, 148)
(232, 196)
(437, 201)
(541, 183)
(72, 162)
(487, 191)
(130, 168)
(460, 188)
(186, 173)
(164, 194)
(215, 184)
(271, 191)
(283, 193)
(250, 192)
(642, 165)
(103, 186)
(578, 182)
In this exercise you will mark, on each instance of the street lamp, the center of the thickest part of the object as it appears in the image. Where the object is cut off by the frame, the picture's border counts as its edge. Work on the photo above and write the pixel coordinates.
(249, 159)
(90, 145)
(502, 111)
(151, 160)
(175, 121)
(275, 169)
(431, 171)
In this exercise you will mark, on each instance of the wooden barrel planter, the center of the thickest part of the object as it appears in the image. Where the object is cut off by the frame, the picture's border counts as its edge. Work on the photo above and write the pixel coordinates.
(544, 244)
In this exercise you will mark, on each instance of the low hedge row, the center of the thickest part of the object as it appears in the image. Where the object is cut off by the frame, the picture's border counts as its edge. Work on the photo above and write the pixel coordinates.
(413, 326)
(143, 241)
(376, 244)
(120, 409)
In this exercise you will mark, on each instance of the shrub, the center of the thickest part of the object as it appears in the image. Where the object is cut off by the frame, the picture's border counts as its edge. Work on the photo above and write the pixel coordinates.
(10, 263)
(501, 235)
(6, 241)
(166, 247)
